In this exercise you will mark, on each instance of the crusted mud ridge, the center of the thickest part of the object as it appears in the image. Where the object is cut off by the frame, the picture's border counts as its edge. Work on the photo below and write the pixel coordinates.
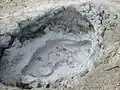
(62, 47)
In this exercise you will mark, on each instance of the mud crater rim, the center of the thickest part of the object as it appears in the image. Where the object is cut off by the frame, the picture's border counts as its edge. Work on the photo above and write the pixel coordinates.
(83, 32)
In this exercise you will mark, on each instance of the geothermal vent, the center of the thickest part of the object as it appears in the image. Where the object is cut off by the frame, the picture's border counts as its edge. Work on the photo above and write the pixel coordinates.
(52, 49)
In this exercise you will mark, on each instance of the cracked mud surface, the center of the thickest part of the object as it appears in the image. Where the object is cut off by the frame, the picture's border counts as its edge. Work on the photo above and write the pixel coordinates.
(89, 31)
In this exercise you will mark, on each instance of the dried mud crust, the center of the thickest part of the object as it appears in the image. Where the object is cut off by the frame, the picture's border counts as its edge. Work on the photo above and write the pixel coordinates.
(103, 20)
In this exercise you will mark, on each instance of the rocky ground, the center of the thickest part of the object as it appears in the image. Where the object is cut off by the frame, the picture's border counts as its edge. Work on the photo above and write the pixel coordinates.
(17, 15)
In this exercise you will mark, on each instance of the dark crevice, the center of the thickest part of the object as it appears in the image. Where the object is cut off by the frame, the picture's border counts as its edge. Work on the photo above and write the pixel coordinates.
(2, 52)
(11, 41)
(48, 85)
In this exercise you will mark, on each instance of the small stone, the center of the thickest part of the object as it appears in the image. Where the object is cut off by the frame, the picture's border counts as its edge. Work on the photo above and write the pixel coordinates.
(119, 51)
(115, 16)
